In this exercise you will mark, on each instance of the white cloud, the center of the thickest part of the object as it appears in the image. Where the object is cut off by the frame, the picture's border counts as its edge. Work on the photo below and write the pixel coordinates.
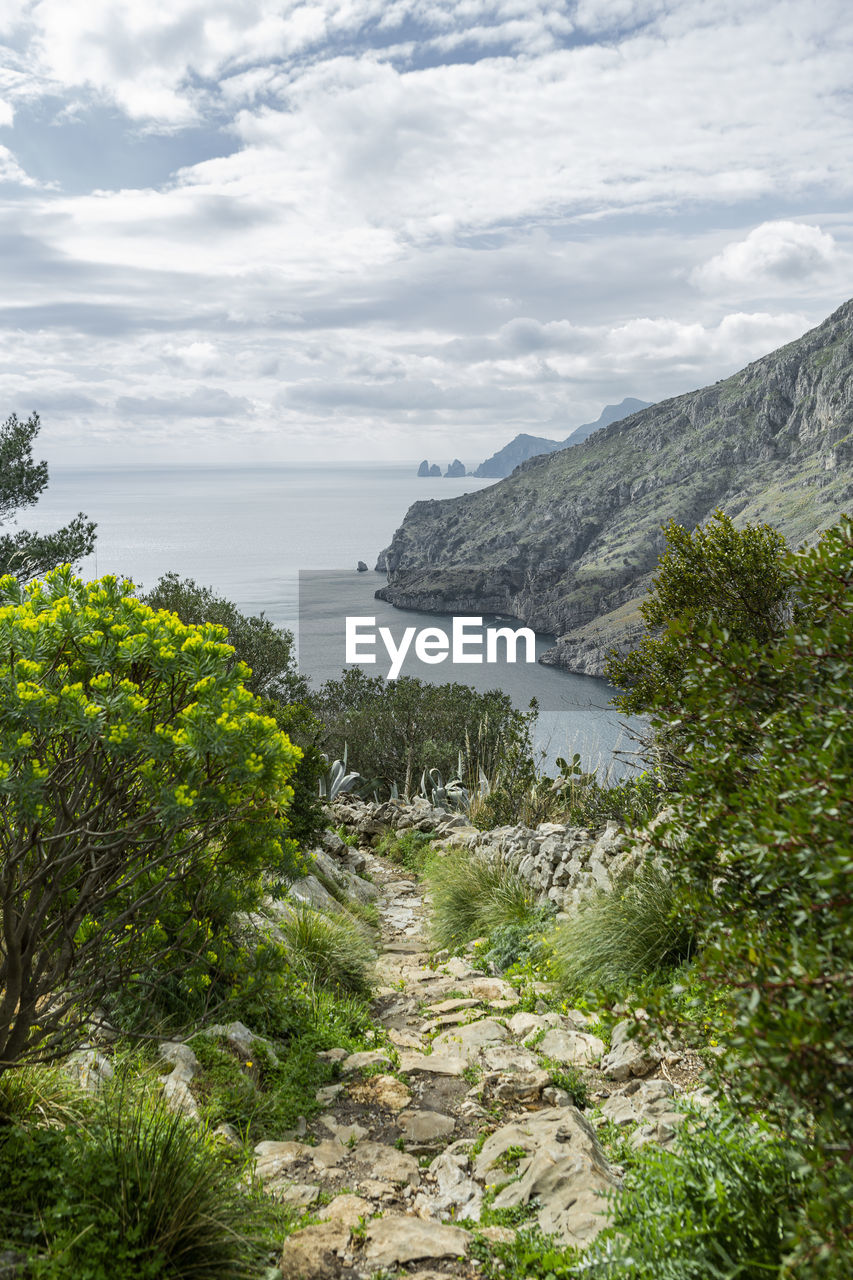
(773, 253)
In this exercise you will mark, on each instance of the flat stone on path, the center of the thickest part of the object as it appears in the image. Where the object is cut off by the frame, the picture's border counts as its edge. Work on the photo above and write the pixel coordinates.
(311, 1254)
(395, 1239)
(346, 1209)
(466, 1042)
(437, 1064)
(362, 1061)
(571, 1048)
(425, 1127)
(387, 1164)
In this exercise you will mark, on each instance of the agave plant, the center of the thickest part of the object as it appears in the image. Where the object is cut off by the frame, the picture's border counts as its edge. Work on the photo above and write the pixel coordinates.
(336, 779)
(453, 794)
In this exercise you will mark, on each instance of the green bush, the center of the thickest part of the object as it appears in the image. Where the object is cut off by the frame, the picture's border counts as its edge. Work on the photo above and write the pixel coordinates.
(616, 938)
(396, 730)
(136, 773)
(514, 944)
(472, 896)
(409, 849)
(719, 1205)
(136, 1192)
(331, 951)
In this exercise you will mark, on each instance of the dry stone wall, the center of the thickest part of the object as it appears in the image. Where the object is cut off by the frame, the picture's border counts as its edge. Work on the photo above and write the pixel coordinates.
(559, 862)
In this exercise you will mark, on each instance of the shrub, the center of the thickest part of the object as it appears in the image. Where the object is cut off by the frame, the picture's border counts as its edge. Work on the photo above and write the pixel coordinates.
(136, 1192)
(718, 1204)
(473, 896)
(410, 849)
(136, 773)
(395, 730)
(331, 951)
(616, 938)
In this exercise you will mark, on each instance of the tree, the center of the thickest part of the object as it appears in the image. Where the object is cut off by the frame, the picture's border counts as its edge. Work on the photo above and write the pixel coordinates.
(718, 575)
(268, 651)
(761, 839)
(27, 555)
(394, 730)
(133, 761)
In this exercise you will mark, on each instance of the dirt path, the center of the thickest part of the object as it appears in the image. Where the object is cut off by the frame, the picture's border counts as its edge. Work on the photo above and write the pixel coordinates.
(399, 1156)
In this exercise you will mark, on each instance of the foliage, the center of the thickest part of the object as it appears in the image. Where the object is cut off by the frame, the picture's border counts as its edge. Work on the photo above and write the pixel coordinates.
(616, 938)
(717, 575)
(136, 773)
(27, 555)
(331, 951)
(396, 730)
(335, 781)
(274, 676)
(763, 837)
(410, 849)
(472, 896)
(265, 648)
(135, 1192)
(514, 944)
(718, 1204)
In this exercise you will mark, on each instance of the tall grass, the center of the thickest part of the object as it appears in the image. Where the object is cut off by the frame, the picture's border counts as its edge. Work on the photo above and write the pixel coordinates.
(332, 952)
(472, 896)
(618, 937)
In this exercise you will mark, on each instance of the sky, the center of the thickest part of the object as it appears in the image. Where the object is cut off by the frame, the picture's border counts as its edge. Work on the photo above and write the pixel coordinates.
(244, 231)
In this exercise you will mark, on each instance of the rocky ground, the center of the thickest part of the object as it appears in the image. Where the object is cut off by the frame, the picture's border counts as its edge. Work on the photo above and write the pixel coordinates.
(456, 1114)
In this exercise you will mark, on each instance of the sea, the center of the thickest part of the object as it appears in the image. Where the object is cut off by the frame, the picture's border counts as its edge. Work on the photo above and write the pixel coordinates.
(285, 540)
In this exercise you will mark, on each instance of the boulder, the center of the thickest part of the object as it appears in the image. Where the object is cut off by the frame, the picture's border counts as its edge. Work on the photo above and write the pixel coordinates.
(313, 1252)
(396, 1239)
(571, 1048)
(629, 1057)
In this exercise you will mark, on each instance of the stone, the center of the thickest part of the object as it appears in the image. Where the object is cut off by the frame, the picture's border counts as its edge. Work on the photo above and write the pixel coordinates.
(299, 1194)
(431, 1064)
(313, 1252)
(348, 1209)
(241, 1040)
(387, 1164)
(348, 1134)
(452, 1006)
(508, 1057)
(386, 1092)
(494, 989)
(458, 968)
(272, 1158)
(638, 1101)
(176, 1088)
(425, 1128)
(90, 1070)
(554, 1097)
(467, 1042)
(628, 1057)
(571, 1048)
(327, 1154)
(403, 1040)
(661, 1130)
(525, 1024)
(328, 1093)
(309, 892)
(395, 1239)
(522, 1088)
(362, 1061)
(565, 1170)
(452, 1187)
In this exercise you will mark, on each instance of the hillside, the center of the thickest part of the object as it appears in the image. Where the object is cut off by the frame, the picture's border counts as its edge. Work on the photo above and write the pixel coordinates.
(523, 446)
(568, 542)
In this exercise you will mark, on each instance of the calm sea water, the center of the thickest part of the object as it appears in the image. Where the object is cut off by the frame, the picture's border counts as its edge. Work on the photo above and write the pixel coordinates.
(249, 533)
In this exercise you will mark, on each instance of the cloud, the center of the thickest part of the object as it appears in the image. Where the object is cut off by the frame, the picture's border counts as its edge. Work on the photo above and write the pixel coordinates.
(203, 402)
(773, 253)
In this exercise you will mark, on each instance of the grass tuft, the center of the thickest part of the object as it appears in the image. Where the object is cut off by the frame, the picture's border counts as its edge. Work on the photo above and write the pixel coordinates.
(331, 952)
(473, 896)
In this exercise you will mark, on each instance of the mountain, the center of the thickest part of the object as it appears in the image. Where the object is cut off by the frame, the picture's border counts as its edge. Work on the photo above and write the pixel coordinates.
(523, 446)
(568, 542)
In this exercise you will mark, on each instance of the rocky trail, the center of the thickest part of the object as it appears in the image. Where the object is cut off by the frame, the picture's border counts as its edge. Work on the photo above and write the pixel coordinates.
(458, 1098)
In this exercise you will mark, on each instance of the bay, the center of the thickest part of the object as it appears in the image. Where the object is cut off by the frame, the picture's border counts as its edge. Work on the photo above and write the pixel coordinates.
(250, 532)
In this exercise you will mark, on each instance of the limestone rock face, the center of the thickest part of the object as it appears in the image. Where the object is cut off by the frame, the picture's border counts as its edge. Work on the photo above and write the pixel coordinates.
(628, 1057)
(565, 1169)
(538, 545)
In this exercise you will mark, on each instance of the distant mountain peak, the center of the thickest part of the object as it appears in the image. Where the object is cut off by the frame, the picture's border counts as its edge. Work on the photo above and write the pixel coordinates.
(525, 446)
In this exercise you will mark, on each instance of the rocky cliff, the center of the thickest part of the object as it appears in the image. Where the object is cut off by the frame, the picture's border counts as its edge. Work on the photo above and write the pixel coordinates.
(524, 446)
(568, 542)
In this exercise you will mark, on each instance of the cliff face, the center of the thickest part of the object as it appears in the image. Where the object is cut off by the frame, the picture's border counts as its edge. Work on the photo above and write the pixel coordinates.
(568, 542)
